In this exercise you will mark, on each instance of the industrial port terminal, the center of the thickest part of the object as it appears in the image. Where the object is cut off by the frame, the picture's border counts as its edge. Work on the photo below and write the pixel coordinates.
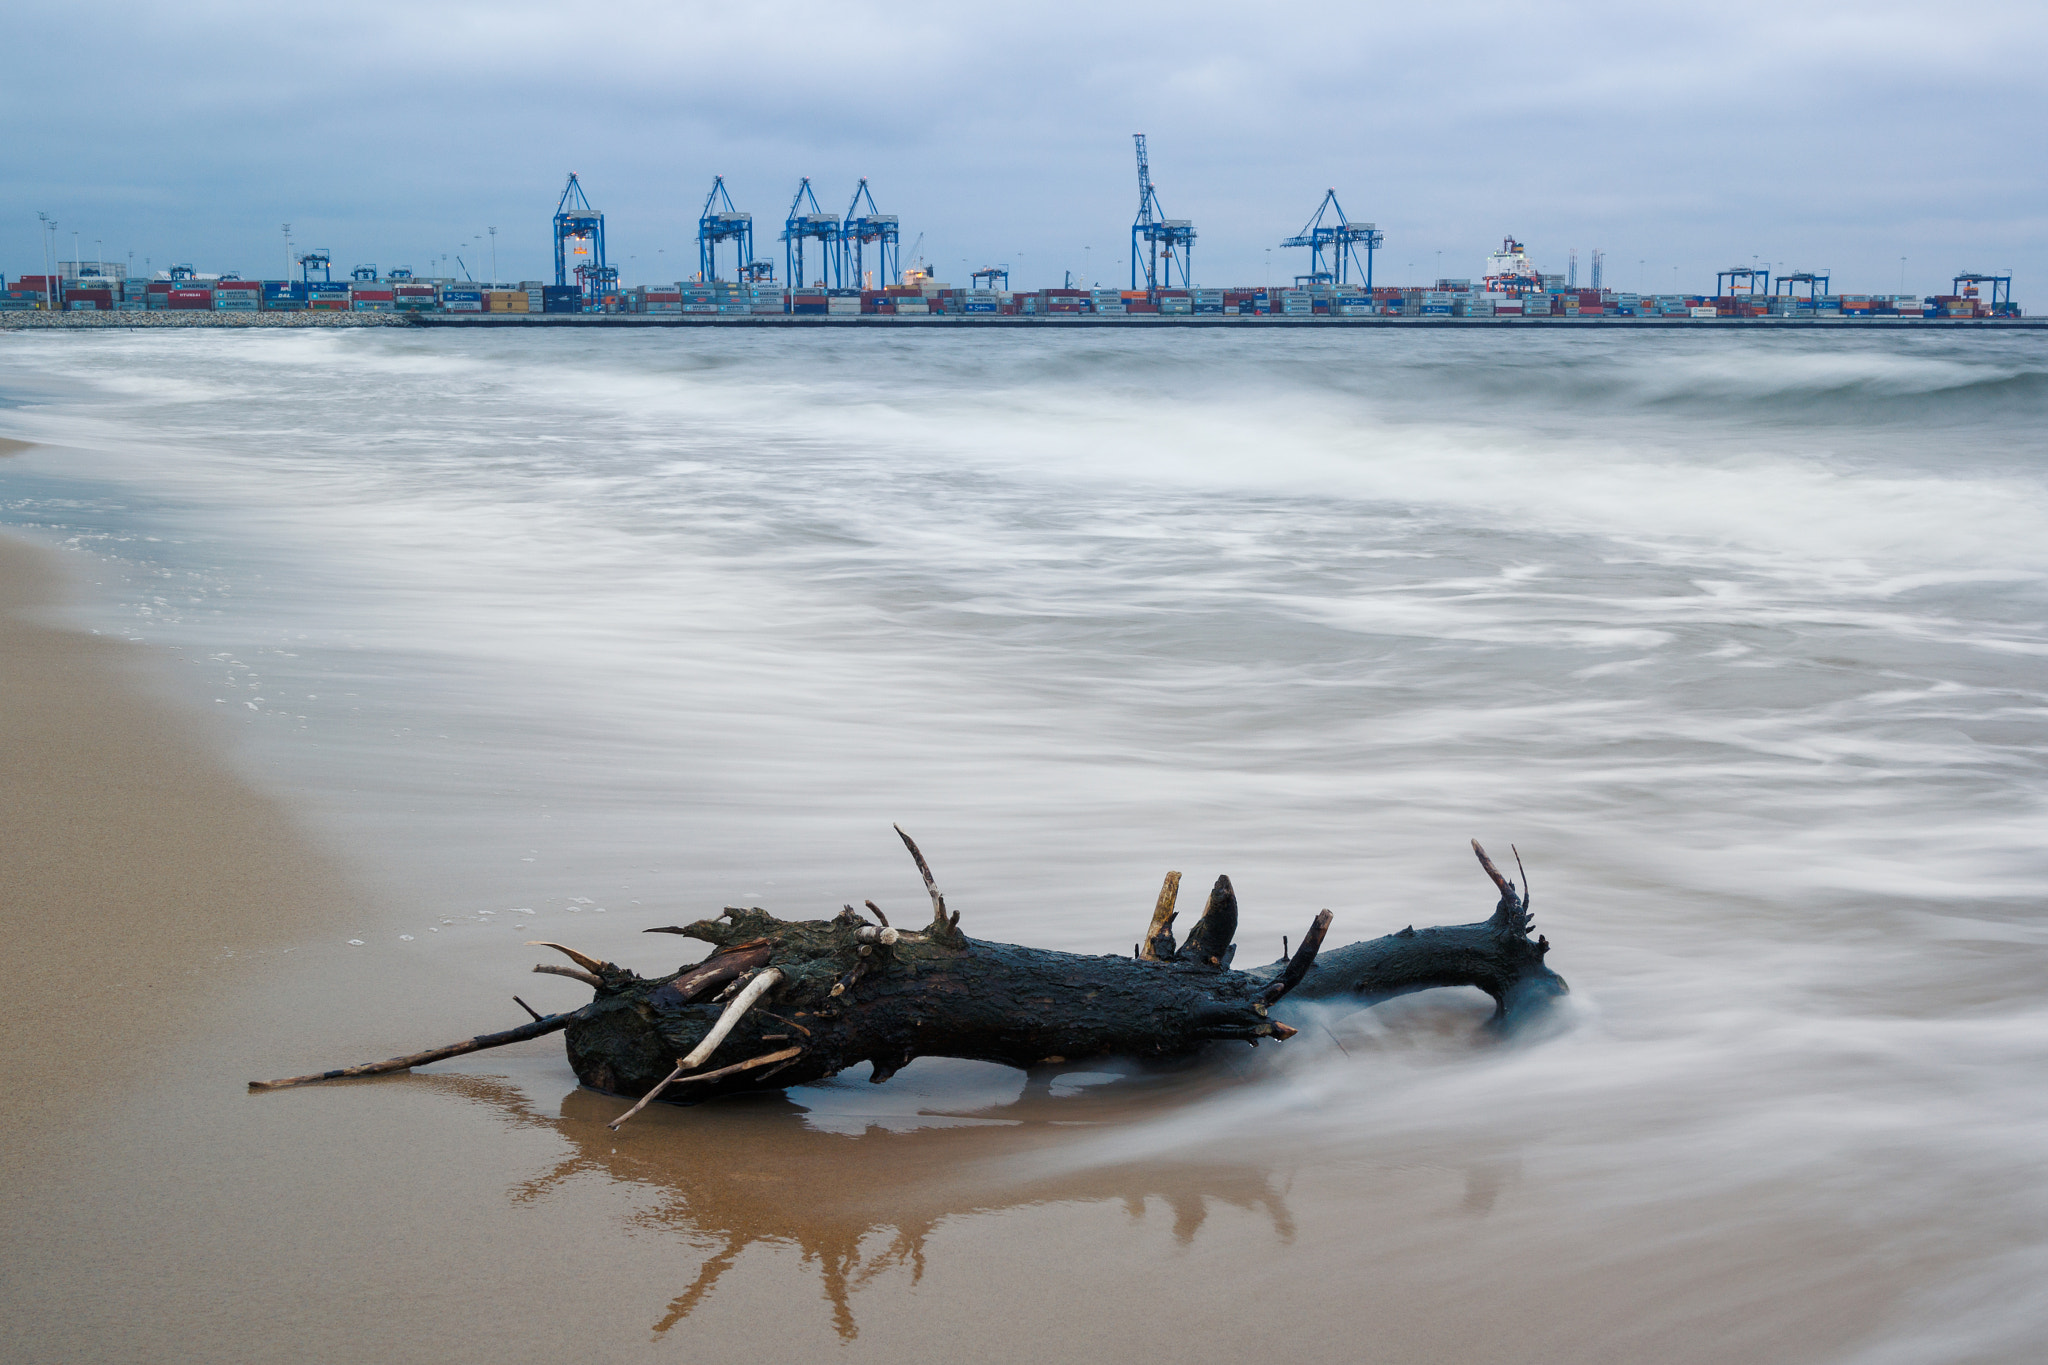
(846, 269)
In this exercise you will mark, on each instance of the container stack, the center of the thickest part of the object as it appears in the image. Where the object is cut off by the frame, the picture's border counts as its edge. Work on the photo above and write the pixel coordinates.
(237, 296)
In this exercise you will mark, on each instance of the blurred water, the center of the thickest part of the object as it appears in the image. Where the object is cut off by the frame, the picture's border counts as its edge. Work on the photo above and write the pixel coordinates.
(1739, 639)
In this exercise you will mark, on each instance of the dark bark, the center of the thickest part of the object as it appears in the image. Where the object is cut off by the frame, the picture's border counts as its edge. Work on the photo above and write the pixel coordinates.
(829, 994)
(945, 995)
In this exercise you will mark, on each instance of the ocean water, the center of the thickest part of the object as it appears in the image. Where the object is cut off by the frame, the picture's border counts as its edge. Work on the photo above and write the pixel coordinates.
(1740, 640)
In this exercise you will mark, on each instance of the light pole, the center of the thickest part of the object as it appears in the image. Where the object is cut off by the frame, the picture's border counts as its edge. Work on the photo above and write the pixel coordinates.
(494, 255)
(287, 250)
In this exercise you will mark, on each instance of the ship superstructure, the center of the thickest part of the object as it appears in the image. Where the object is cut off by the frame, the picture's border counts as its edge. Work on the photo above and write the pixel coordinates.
(1509, 270)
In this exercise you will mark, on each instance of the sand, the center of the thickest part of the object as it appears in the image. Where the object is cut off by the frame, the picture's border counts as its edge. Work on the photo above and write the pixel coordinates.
(135, 859)
(175, 932)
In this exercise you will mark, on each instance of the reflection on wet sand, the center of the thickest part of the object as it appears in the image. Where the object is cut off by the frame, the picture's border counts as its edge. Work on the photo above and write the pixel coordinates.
(755, 1170)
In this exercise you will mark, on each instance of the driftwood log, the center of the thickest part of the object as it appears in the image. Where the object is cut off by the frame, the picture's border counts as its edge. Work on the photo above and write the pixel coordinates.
(787, 1002)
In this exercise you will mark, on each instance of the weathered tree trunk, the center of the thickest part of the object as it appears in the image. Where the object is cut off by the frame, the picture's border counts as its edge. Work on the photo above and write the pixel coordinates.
(783, 1002)
(855, 992)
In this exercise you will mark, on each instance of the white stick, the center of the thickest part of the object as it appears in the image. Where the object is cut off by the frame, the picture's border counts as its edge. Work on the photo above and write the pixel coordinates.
(728, 1021)
(741, 1003)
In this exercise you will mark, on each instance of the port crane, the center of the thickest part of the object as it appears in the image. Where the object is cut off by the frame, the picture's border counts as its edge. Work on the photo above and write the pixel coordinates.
(1753, 280)
(1164, 239)
(857, 230)
(992, 273)
(316, 259)
(364, 274)
(1333, 245)
(717, 222)
(579, 231)
(2001, 288)
(799, 227)
(1816, 282)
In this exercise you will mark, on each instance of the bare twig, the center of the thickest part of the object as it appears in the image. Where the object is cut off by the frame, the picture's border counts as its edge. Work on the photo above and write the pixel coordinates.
(765, 1059)
(878, 913)
(538, 1028)
(727, 1021)
(722, 966)
(1298, 965)
(528, 1008)
(1162, 918)
(583, 960)
(924, 869)
(1525, 874)
(550, 969)
(734, 1012)
(1507, 888)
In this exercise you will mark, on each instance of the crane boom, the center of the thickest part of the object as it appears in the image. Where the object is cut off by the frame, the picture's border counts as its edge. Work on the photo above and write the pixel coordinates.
(1144, 181)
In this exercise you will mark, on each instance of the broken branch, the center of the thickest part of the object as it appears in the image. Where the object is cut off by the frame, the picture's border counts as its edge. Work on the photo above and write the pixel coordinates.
(1162, 921)
(550, 969)
(583, 960)
(925, 871)
(539, 1028)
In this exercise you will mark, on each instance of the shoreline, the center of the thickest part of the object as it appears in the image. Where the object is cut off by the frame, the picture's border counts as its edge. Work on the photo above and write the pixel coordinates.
(136, 857)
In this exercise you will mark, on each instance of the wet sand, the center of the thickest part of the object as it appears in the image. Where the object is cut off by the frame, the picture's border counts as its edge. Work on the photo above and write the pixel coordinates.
(175, 933)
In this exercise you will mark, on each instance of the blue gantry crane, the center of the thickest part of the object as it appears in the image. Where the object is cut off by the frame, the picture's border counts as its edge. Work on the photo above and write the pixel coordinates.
(316, 259)
(1816, 282)
(800, 227)
(2001, 289)
(1156, 240)
(857, 231)
(992, 273)
(364, 274)
(579, 238)
(721, 222)
(1751, 279)
(1333, 241)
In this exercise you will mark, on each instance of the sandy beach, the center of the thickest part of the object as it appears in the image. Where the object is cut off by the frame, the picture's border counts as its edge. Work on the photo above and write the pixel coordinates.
(481, 1209)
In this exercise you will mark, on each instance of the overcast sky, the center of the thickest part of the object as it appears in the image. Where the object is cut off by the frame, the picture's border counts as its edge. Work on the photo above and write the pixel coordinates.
(1680, 139)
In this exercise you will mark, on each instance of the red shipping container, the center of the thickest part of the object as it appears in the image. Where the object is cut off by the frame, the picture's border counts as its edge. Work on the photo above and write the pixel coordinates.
(191, 298)
(1140, 307)
(99, 298)
(373, 295)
